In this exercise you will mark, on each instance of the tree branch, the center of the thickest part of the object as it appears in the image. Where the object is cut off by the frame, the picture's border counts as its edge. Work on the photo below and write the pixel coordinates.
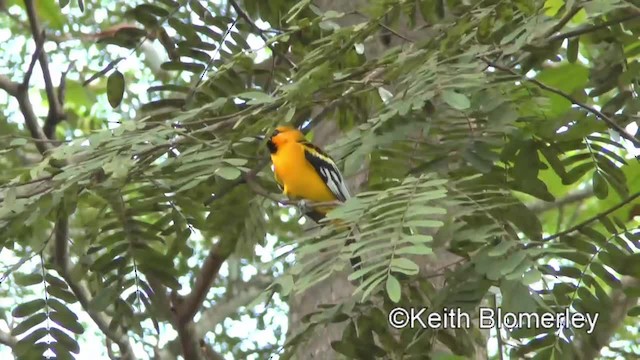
(222, 310)
(563, 21)
(590, 345)
(192, 302)
(55, 107)
(82, 293)
(215, 315)
(591, 28)
(576, 196)
(9, 86)
(34, 58)
(612, 124)
(31, 120)
(593, 218)
(21, 93)
(7, 339)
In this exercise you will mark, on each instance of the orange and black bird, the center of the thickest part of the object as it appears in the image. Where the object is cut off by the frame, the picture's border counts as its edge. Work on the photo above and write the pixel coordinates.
(305, 172)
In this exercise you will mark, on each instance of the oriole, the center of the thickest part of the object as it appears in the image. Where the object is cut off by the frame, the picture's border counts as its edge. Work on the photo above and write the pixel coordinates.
(306, 172)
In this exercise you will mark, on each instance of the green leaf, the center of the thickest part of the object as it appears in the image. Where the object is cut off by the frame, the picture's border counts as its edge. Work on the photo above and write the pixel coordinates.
(62, 294)
(567, 78)
(115, 88)
(501, 248)
(572, 49)
(18, 142)
(286, 284)
(415, 250)
(256, 97)
(182, 66)
(25, 345)
(28, 279)
(393, 288)
(228, 173)
(51, 15)
(66, 322)
(28, 324)
(456, 100)
(103, 298)
(600, 186)
(28, 308)
(404, 266)
(531, 276)
(62, 338)
(153, 9)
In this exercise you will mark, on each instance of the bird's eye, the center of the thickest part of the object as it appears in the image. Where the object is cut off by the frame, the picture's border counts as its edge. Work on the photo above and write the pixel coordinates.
(275, 132)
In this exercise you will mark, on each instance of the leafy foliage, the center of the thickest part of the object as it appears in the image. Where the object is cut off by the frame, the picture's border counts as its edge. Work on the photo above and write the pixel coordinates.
(475, 137)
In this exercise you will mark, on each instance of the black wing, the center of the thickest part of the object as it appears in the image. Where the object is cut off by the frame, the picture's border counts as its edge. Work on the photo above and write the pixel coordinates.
(327, 169)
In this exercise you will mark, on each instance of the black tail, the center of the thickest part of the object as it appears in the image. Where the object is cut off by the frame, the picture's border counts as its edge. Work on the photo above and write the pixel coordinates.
(356, 261)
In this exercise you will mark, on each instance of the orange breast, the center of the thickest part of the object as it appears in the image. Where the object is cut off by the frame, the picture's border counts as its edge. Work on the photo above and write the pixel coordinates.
(300, 180)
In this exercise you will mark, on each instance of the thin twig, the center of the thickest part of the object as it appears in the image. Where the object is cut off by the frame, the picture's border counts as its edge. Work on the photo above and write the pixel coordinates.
(211, 60)
(579, 195)
(563, 21)
(573, 100)
(591, 28)
(440, 271)
(593, 218)
(384, 26)
(55, 108)
(34, 58)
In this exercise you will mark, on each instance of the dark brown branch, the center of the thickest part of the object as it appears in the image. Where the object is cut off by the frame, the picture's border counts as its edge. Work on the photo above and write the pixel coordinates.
(82, 293)
(31, 120)
(612, 124)
(384, 26)
(34, 58)
(191, 303)
(49, 127)
(21, 93)
(591, 28)
(208, 352)
(217, 313)
(590, 345)
(9, 86)
(61, 247)
(593, 218)
(563, 21)
(55, 108)
(188, 341)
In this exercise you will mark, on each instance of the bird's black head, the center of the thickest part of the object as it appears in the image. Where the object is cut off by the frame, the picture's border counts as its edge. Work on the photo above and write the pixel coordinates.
(271, 145)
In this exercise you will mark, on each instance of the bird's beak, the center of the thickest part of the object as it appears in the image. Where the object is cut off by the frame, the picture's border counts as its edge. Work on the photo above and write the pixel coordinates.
(260, 137)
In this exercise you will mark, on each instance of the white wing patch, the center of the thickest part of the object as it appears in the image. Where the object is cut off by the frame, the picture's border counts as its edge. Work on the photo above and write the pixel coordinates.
(334, 181)
(328, 171)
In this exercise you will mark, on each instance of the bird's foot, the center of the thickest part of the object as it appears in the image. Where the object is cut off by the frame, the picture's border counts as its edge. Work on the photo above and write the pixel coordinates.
(303, 206)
